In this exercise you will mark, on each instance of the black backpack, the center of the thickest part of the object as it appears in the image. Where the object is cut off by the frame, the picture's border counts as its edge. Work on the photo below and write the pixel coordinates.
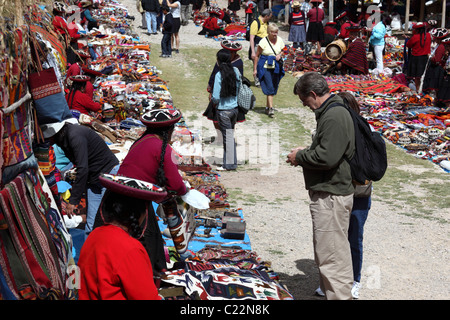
(247, 32)
(369, 163)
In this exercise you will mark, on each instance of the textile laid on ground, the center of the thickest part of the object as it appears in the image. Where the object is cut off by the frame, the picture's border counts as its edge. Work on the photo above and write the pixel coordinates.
(37, 250)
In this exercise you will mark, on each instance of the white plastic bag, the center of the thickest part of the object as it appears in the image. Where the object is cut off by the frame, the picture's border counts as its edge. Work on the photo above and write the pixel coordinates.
(196, 199)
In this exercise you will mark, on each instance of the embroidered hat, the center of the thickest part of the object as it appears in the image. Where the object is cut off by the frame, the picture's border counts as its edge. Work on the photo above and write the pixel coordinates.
(419, 25)
(83, 54)
(161, 117)
(446, 40)
(296, 4)
(80, 78)
(440, 33)
(50, 129)
(341, 15)
(354, 28)
(91, 72)
(231, 45)
(86, 3)
(59, 7)
(131, 187)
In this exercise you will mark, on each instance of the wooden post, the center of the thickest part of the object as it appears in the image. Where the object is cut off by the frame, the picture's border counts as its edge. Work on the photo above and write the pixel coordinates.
(331, 10)
(407, 16)
(443, 18)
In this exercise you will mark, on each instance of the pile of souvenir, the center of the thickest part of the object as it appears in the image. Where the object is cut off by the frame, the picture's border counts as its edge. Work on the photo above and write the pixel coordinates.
(128, 85)
(405, 118)
(235, 30)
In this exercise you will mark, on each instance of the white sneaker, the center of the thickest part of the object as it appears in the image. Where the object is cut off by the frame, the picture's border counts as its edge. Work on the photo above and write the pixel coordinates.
(221, 168)
(319, 292)
(355, 289)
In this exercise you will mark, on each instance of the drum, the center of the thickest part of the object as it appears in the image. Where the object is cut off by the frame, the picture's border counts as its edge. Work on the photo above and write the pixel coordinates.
(335, 50)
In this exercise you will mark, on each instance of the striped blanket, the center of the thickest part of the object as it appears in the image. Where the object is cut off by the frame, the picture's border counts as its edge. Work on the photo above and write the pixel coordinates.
(356, 57)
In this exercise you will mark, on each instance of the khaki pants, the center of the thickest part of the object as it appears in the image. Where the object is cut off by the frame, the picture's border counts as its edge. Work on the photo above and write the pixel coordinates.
(330, 218)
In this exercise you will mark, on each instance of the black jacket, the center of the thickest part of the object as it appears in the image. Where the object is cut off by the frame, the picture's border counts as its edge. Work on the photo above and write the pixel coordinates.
(150, 5)
(89, 153)
(168, 23)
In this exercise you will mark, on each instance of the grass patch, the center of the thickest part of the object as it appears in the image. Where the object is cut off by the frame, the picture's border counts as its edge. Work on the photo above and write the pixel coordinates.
(188, 74)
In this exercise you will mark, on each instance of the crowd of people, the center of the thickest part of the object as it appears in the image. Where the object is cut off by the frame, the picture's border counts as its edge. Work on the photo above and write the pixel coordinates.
(338, 214)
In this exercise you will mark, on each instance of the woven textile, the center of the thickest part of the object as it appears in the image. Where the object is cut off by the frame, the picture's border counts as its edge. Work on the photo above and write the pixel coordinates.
(34, 242)
(355, 57)
(228, 274)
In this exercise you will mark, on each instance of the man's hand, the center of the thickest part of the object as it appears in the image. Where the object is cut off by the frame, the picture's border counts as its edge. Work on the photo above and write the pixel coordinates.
(70, 208)
(291, 156)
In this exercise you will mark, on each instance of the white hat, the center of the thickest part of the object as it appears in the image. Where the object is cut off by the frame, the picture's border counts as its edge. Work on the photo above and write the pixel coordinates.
(50, 129)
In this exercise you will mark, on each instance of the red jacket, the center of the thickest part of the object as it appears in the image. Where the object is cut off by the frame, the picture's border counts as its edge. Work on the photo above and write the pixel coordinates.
(142, 162)
(60, 25)
(115, 266)
(211, 23)
(417, 49)
(315, 16)
(82, 102)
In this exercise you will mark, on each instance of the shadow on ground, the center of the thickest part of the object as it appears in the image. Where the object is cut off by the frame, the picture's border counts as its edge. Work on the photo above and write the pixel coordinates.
(303, 285)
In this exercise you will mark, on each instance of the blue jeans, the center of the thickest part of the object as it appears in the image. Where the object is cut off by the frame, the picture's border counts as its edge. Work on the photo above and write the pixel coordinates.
(94, 196)
(360, 211)
(227, 121)
(150, 17)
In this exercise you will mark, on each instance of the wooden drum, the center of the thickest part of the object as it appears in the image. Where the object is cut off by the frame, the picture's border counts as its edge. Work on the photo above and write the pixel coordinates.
(335, 50)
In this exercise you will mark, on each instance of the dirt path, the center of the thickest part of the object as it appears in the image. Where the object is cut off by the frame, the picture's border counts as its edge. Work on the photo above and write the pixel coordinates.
(405, 257)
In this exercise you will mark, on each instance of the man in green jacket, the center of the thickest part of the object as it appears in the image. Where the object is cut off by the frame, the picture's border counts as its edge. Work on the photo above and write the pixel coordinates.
(329, 183)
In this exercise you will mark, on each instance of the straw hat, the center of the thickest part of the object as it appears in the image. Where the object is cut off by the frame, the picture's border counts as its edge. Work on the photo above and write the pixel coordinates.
(296, 4)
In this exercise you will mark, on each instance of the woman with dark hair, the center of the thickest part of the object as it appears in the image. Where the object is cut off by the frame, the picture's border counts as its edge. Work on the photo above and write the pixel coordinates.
(224, 95)
(78, 99)
(435, 71)
(315, 27)
(236, 61)
(211, 26)
(151, 159)
(420, 45)
(113, 263)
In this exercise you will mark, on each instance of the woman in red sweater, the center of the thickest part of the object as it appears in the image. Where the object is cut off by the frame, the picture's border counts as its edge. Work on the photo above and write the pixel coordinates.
(211, 27)
(152, 159)
(315, 27)
(78, 99)
(436, 65)
(420, 45)
(113, 263)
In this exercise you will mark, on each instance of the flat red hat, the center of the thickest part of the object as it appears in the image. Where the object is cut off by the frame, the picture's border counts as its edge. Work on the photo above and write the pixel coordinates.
(231, 45)
(80, 78)
(134, 188)
(91, 72)
(164, 117)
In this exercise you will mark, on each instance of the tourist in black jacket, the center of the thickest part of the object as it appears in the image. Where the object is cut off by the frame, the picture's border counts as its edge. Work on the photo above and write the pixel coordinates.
(91, 156)
(151, 8)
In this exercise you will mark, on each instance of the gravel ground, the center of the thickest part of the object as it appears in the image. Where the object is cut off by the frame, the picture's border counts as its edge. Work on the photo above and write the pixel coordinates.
(404, 257)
